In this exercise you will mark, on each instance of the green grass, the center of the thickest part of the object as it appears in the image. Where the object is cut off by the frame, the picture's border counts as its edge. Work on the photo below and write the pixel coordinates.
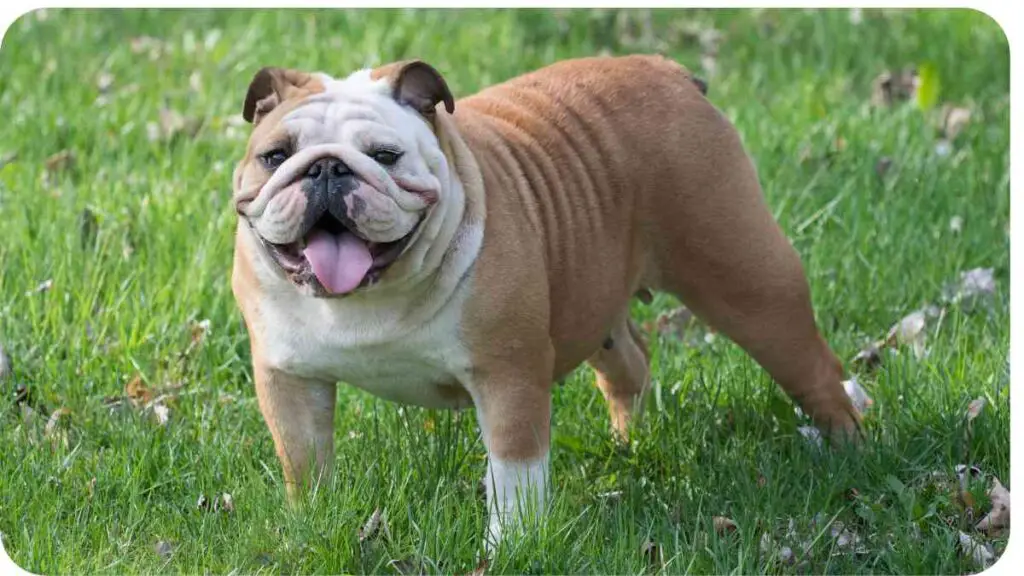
(155, 255)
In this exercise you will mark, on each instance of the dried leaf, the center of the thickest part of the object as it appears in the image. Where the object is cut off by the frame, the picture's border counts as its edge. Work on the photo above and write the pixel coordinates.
(162, 413)
(480, 569)
(226, 503)
(724, 525)
(55, 420)
(956, 224)
(910, 330)
(137, 392)
(199, 330)
(998, 519)
(652, 555)
(812, 434)
(6, 368)
(104, 81)
(890, 88)
(978, 552)
(858, 396)
(870, 357)
(60, 162)
(203, 503)
(975, 408)
(954, 120)
(43, 286)
(163, 549)
(882, 166)
(376, 525)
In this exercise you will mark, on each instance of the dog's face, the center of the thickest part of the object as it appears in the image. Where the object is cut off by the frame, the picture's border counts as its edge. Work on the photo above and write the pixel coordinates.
(339, 175)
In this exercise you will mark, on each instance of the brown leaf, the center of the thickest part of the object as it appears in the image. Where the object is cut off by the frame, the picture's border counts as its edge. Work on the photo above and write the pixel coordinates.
(376, 525)
(5, 365)
(910, 331)
(43, 286)
(199, 330)
(889, 88)
(981, 555)
(203, 503)
(226, 503)
(870, 357)
(52, 425)
(858, 396)
(723, 525)
(104, 81)
(163, 549)
(652, 555)
(998, 519)
(137, 392)
(60, 162)
(480, 569)
(975, 408)
(954, 120)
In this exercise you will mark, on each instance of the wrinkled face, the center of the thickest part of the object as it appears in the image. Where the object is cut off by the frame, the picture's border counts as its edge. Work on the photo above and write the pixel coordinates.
(338, 177)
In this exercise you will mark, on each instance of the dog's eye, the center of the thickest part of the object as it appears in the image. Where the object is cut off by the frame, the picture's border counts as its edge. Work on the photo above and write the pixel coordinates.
(273, 159)
(386, 157)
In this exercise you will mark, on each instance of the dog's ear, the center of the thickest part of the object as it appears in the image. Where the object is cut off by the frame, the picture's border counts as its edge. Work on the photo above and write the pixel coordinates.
(271, 86)
(417, 84)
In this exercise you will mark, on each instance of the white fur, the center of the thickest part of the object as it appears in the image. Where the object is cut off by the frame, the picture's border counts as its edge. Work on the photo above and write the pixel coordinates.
(514, 491)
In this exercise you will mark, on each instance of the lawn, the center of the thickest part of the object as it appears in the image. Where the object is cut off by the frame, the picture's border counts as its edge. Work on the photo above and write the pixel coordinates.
(120, 132)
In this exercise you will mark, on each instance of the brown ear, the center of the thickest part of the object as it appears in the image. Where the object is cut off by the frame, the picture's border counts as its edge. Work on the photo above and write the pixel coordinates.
(419, 85)
(271, 86)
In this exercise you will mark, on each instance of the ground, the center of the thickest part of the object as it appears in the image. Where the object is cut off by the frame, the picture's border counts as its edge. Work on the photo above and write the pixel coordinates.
(119, 136)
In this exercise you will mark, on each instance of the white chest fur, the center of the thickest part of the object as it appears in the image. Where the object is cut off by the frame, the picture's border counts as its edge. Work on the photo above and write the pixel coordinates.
(368, 344)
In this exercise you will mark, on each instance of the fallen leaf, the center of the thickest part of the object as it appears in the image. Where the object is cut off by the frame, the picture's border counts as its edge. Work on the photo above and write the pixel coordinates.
(972, 289)
(226, 503)
(199, 330)
(480, 569)
(761, 481)
(956, 224)
(651, 552)
(811, 434)
(978, 552)
(889, 88)
(998, 518)
(975, 408)
(137, 392)
(60, 162)
(376, 525)
(53, 424)
(161, 412)
(203, 503)
(858, 396)
(5, 365)
(954, 120)
(845, 538)
(870, 357)
(104, 81)
(163, 549)
(910, 330)
(43, 286)
(91, 487)
(882, 166)
(723, 525)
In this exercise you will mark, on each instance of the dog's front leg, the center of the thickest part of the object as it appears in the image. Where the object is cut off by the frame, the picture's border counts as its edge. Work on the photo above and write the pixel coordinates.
(300, 415)
(513, 407)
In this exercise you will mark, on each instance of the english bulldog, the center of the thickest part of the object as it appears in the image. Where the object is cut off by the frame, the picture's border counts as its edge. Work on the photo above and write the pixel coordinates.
(469, 254)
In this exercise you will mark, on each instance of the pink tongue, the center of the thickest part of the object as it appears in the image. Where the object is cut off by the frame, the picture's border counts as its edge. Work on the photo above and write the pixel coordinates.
(339, 262)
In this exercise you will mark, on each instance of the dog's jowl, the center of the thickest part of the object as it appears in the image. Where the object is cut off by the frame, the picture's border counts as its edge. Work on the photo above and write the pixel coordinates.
(466, 253)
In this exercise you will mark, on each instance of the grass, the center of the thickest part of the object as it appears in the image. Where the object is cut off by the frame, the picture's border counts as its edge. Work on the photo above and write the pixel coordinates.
(136, 237)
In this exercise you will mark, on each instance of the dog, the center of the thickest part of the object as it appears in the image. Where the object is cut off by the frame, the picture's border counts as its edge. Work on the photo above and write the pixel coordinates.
(470, 254)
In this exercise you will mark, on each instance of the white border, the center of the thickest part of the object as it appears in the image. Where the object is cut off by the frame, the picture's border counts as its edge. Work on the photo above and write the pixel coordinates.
(1000, 11)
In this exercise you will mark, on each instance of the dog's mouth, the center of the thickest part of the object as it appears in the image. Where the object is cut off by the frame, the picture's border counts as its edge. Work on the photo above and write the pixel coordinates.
(334, 259)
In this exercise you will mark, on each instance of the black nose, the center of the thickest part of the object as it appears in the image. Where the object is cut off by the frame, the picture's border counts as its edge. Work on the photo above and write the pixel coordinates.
(327, 168)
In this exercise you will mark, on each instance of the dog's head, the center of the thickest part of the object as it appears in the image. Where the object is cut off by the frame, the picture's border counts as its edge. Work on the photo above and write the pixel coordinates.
(339, 175)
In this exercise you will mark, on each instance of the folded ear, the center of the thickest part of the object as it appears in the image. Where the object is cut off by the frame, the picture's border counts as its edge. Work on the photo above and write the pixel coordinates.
(271, 86)
(418, 85)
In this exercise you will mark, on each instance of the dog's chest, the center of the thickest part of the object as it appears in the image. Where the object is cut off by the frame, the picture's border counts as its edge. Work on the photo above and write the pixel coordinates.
(422, 364)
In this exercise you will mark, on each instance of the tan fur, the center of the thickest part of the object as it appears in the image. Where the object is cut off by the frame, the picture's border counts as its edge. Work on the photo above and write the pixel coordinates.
(596, 179)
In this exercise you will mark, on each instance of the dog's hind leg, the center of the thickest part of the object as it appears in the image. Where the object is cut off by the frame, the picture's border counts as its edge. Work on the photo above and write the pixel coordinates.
(622, 373)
